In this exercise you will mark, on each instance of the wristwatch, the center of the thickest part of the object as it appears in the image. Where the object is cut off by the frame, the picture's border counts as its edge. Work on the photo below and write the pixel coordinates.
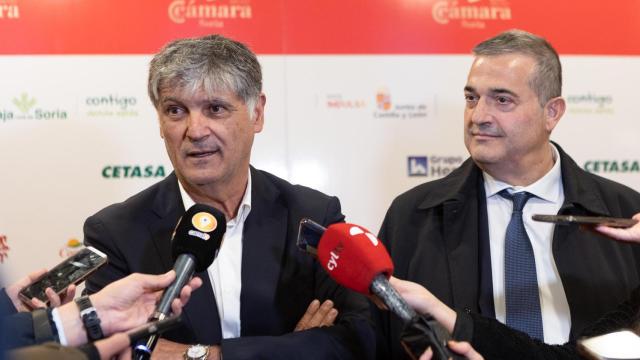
(196, 352)
(90, 318)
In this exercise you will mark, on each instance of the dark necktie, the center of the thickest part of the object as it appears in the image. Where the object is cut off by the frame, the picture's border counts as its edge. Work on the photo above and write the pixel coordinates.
(520, 280)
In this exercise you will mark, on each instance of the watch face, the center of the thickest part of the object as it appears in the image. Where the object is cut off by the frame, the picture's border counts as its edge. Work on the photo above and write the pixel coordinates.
(196, 351)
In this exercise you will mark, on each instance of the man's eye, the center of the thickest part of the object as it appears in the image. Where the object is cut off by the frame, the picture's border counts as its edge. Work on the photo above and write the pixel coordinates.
(503, 100)
(469, 97)
(174, 110)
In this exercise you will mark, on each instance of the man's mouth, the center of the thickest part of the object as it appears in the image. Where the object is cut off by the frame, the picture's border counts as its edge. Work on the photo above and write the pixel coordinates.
(201, 153)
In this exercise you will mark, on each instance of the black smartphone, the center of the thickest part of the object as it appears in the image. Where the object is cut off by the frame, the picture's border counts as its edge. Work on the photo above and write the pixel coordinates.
(153, 328)
(586, 220)
(72, 270)
(309, 234)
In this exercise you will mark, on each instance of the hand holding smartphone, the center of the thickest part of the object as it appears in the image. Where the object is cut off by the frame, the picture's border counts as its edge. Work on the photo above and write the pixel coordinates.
(72, 270)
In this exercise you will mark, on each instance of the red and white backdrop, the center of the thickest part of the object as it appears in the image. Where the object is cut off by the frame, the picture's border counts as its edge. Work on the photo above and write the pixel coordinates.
(364, 98)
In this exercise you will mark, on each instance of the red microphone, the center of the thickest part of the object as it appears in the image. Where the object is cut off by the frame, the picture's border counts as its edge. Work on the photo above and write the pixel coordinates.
(353, 256)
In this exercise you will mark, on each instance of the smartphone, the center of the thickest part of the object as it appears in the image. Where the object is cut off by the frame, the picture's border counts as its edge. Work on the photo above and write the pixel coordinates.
(309, 234)
(586, 220)
(155, 327)
(72, 270)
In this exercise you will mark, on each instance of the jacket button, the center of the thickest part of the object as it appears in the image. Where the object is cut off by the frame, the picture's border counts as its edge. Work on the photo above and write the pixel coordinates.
(467, 310)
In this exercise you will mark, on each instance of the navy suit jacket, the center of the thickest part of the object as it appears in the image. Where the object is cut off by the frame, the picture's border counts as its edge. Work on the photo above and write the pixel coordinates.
(278, 280)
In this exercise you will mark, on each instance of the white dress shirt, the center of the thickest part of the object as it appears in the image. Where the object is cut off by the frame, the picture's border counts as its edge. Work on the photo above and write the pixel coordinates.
(226, 271)
(549, 196)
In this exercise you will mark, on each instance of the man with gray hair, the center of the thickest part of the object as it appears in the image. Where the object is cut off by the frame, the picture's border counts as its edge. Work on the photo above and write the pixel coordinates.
(259, 295)
(469, 237)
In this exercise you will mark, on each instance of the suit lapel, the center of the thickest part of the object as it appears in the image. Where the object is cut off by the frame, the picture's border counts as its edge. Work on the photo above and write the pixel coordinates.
(201, 311)
(264, 237)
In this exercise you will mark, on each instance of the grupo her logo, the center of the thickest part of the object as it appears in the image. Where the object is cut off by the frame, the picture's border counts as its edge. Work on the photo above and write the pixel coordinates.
(434, 166)
(209, 13)
(470, 13)
(133, 171)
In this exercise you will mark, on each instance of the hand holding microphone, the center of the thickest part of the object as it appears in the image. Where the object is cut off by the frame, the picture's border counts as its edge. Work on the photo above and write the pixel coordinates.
(195, 244)
(357, 260)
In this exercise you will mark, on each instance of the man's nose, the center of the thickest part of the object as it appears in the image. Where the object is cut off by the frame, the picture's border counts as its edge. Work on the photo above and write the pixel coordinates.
(197, 126)
(481, 113)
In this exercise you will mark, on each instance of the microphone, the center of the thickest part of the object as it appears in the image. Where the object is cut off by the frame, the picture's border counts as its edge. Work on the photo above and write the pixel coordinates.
(194, 245)
(357, 260)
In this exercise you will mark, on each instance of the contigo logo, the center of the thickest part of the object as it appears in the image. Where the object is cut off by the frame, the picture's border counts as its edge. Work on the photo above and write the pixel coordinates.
(470, 13)
(210, 13)
(9, 10)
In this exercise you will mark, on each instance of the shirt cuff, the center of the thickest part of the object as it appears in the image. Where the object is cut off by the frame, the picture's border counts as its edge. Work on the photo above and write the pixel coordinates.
(58, 323)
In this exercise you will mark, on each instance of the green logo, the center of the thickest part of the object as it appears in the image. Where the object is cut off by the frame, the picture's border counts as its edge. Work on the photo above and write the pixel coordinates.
(612, 166)
(24, 103)
(133, 171)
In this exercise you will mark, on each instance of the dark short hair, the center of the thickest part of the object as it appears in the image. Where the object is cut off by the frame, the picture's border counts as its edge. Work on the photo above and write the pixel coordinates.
(546, 80)
(211, 62)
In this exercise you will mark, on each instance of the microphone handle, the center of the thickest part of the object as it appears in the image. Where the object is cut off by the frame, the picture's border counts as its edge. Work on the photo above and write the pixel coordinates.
(381, 287)
(184, 266)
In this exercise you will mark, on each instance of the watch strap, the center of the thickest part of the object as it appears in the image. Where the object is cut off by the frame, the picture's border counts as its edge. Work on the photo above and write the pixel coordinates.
(90, 318)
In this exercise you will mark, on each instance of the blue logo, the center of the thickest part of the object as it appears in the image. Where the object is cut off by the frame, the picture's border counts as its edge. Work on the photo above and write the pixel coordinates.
(417, 165)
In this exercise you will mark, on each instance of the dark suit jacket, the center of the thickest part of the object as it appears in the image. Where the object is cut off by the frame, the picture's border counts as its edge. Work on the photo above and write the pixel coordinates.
(432, 232)
(484, 333)
(278, 280)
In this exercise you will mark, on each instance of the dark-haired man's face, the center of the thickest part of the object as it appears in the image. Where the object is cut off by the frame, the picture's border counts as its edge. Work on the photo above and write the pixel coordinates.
(504, 124)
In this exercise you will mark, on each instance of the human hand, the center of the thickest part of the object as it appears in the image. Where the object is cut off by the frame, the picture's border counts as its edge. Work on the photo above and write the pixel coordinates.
(116, 346)
(54, 300)
(130, 301)
(425, 302)
(461, 348)
(317, 315)
(631, 234)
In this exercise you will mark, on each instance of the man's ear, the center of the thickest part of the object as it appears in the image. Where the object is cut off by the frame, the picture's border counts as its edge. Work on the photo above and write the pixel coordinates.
(553, 111)
(258, 113)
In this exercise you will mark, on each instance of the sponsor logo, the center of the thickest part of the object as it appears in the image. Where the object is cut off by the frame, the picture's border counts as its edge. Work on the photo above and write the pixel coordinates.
(209, 13)
(70, 248)
(9, 9)
(204, 222)
(132, 171)
(471, 14)
(26, 108)
(388, 109)
(337, 101)
(590, 103)
(111, 105)
(434, 166)
(612, 166)
(4, 248)
(199, 234)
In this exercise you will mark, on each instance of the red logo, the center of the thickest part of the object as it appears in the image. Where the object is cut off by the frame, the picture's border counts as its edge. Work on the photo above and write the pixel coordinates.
(4, 248)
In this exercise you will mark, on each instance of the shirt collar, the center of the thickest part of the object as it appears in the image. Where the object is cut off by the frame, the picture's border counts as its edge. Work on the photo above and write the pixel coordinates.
(547, 187)
(245, 204)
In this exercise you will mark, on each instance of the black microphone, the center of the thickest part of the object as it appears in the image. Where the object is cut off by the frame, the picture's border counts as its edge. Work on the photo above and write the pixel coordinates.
(194, 246)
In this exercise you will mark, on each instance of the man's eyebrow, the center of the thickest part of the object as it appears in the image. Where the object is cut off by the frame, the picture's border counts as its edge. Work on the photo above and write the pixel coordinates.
(469, 89)
(503, 91)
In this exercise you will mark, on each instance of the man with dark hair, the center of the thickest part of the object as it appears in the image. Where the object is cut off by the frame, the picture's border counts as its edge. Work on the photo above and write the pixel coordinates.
(469, 237)
(208, 95)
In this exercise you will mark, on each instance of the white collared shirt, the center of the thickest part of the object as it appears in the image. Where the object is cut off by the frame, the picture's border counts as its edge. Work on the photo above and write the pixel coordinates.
(549, 196)
(226, 271)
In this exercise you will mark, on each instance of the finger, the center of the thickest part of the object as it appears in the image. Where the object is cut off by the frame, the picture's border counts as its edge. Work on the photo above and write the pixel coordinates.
(427, 354)
(154, 282)
(330, 318)
(465, 349)
(36, 275)
(311, 309)
(111, 346)
(36, 304)
(178, 303)
(323, 311)
(68, 295)
(54, 299)
(195, 283)
(126, 354)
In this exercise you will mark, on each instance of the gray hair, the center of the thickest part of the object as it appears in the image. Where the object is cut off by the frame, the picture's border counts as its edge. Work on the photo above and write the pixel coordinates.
(546, 80)
(210, 63)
